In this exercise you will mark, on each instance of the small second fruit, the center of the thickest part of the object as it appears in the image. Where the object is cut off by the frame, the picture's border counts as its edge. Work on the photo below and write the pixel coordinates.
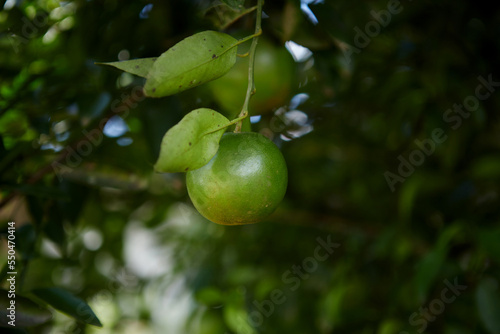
(274, 72)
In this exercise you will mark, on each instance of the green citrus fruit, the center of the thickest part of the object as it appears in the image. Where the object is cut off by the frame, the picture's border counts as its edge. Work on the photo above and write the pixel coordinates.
(273, 74)
(243, 183)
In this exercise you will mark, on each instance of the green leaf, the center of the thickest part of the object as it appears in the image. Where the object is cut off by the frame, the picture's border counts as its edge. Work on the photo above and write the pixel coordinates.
(193, 61)
(28, 313)
(488, 240)
(138, 67)
(331, 304)
(67, 303)
(486, 168)
(488, 304)
(236, 318)
(430, 265)
(210, 296)
(192, 142)
(234, 4)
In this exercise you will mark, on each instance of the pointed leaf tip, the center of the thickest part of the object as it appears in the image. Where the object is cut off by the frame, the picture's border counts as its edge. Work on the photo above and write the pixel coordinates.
(66, 302)
(139, 67)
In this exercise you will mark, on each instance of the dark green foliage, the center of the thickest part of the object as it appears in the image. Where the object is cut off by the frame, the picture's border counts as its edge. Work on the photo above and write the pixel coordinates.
(391, 219)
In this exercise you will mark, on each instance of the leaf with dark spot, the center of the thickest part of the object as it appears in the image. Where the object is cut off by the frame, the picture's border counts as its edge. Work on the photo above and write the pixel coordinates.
(201, 130)
(191, 61)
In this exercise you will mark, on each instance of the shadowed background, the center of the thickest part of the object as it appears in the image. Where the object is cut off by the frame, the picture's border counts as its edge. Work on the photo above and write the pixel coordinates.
(386, 113)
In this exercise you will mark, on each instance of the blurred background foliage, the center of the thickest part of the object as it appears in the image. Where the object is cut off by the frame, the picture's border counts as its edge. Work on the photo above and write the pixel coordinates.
(78, 142)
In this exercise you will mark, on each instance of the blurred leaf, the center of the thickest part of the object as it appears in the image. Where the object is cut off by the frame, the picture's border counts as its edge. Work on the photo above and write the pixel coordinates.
(488, 304)
(27, 312)
(236, 319)
(409, 192)
(67, 303)
(242, 274)
(25, 240)
(390, 326)
(331, 303)
(210, 296)
(222, 15)
(488, 168)
(140, 67)
(234, 4)
(14, 127)
(427, 271)
(193, 61)
(210, 323)
(489, 240)
(430, 265)
(192, 142)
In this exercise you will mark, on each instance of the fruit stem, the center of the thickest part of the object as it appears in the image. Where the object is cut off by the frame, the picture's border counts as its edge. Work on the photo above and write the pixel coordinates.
(247, 38)
(251, 84)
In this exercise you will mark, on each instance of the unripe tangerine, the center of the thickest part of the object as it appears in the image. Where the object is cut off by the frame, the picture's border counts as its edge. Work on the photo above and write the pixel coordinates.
(243, 183)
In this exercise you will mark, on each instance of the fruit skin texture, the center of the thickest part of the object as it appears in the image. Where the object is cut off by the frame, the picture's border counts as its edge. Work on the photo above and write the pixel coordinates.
(243, 183)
